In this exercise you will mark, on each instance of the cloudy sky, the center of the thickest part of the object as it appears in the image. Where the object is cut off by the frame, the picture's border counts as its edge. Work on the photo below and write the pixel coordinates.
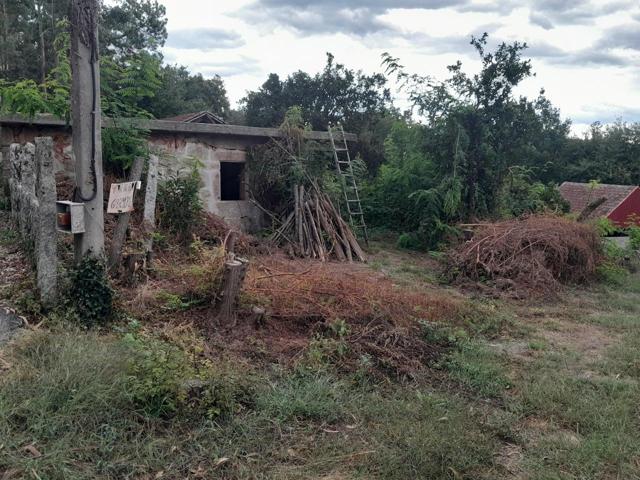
(586, 53)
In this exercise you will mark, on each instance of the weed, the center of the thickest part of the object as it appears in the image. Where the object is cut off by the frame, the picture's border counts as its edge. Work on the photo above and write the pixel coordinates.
(479, 368)
(8, 237)
(538, 345)
(173, 302)
(90, 292)
(624, 358)
(179, 205)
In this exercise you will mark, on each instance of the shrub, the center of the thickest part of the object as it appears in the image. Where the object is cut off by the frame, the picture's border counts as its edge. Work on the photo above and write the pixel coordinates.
(165, 382)
(179, 205)
(634, 237)
(90, 292)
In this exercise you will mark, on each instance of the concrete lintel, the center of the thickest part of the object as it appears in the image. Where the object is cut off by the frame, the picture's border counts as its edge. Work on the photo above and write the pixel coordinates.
(173, 127)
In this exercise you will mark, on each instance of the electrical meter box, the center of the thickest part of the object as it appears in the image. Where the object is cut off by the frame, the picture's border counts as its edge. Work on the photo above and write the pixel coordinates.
(70, 217)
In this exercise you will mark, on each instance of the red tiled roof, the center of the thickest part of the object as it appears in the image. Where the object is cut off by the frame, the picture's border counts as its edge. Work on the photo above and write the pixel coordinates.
(196, 117)
(579, 195)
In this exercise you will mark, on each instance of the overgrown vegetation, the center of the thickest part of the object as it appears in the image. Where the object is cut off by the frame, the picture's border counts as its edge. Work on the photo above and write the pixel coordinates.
(179, 206)
(90, 294)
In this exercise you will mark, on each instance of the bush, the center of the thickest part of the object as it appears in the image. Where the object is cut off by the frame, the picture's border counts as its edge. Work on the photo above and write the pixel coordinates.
(634, 237)
(179, 205)
(164, 382)
(520, 195)
(90, 293)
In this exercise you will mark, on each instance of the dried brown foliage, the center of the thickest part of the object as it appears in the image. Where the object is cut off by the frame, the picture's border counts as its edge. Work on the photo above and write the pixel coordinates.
(535, 253)
(382, 319)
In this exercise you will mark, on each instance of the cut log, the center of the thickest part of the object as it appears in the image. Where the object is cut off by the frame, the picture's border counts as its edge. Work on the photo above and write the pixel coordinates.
(232, 280)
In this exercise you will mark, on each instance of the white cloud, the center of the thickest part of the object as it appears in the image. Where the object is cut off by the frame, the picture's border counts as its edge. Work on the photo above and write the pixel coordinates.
(586, 53)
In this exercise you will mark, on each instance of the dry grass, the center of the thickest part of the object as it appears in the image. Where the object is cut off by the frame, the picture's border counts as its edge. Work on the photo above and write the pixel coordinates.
(535, 254)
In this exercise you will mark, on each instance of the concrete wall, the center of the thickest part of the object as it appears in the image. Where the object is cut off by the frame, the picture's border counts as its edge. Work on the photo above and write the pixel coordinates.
(177, 152)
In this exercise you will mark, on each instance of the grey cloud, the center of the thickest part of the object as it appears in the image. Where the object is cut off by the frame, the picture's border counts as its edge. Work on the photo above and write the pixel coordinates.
(624, 36)
(589, 56)
(369, 4)
(608, 114)
(357, 17)
(547, 13)
(229, 68)
(363, 18)
(203, 39)
(540, 20)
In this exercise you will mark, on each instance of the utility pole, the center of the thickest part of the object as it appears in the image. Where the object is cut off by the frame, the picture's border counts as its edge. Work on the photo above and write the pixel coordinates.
(86, 125)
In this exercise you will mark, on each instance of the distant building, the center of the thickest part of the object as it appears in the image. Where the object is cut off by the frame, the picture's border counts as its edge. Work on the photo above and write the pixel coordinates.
(618, 203)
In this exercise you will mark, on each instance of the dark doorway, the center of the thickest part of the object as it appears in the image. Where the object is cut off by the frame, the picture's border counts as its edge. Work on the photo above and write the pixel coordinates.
(231, 176)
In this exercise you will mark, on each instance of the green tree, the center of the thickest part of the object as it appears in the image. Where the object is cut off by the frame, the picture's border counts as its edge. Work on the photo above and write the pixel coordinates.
(183, 92)
(477, 129)
(361, 103)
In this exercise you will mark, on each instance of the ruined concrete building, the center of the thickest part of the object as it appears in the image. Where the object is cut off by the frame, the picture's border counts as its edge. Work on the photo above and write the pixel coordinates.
(221, 149)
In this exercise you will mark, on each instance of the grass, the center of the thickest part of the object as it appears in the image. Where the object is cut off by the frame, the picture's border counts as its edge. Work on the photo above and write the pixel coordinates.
(592, 429)
(77, 405)
(8, 237)
(479, 368)
(67, 411)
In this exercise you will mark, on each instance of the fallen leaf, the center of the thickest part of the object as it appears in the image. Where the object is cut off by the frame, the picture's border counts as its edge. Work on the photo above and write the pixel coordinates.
(35, 453)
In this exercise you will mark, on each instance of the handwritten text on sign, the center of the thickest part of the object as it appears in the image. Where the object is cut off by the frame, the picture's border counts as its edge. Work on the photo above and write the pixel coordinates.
(121, 197)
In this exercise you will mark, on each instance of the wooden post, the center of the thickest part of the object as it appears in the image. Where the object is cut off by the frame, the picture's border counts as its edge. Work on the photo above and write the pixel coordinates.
(120, 231)
(149, 216)
(86, 125)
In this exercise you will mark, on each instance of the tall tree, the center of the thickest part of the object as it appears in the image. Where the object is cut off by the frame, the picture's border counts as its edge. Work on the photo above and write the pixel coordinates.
(183, 92)
(337, 94)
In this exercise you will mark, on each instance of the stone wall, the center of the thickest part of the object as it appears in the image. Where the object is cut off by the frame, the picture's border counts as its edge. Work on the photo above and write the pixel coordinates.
(32, 190)
(177, 151)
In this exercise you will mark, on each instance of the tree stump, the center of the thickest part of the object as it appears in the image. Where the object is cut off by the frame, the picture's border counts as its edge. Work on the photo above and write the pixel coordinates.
(232, 280)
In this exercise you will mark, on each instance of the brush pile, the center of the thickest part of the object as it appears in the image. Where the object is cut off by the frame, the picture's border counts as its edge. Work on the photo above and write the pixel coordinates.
(535, 254)
(315, 229)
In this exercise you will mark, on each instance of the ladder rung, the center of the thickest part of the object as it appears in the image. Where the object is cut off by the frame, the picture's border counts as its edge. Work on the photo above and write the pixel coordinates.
(344, 161)
(340, 149)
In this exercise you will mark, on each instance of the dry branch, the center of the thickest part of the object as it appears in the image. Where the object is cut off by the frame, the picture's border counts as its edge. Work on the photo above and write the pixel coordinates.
(315, 229)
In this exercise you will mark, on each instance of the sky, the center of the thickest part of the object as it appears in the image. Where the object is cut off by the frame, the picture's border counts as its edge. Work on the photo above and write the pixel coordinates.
(586, 53)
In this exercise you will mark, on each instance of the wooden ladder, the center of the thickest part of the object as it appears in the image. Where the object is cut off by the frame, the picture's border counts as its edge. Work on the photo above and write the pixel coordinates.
(348, 179)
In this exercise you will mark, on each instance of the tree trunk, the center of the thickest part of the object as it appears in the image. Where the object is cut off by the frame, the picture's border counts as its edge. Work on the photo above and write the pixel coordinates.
(232, 280)
(43, 54)
(120, 232)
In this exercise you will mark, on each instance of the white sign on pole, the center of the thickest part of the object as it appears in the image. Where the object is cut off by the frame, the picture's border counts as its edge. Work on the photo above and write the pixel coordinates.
(121, 197)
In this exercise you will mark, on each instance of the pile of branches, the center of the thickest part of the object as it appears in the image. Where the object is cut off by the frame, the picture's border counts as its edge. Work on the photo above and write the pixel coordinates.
(382, 320)
(291, 180)
(315, 229)
(534, 253)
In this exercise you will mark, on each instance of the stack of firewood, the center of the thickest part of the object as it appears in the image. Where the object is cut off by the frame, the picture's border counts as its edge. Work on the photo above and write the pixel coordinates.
(315, 229)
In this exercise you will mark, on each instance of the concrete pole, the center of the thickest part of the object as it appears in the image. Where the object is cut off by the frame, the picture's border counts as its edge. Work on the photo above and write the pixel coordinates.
(86, 125)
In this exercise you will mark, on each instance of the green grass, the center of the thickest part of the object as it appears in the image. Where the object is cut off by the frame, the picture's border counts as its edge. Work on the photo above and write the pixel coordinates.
(593, 426)
(70, 397)
(479, 368)
(8, 237)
